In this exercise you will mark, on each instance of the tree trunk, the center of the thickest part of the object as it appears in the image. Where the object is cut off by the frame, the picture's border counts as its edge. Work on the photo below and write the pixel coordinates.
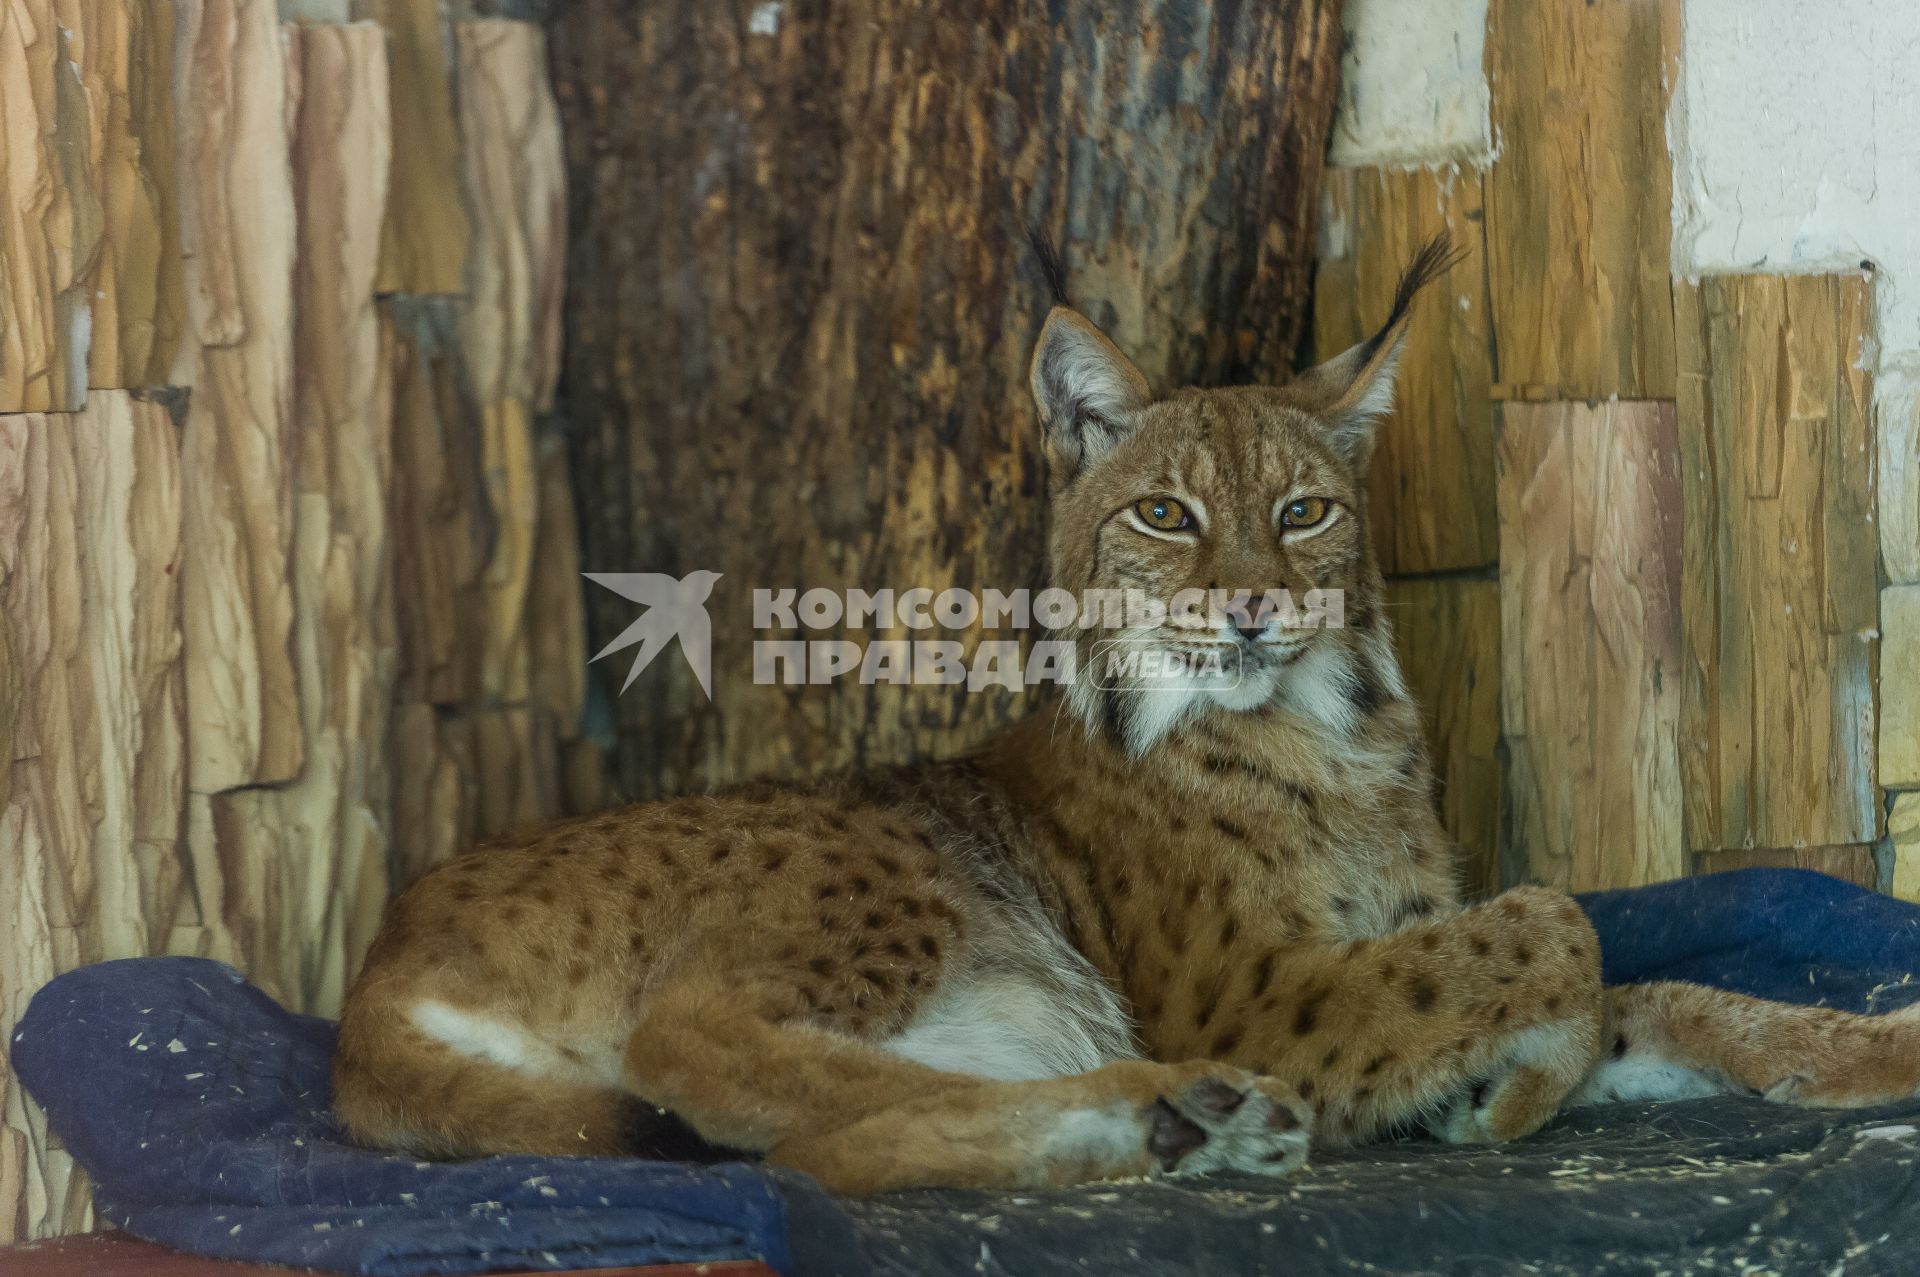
(801, 304)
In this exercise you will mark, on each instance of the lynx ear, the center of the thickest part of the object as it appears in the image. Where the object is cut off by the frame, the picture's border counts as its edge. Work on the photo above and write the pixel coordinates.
(1089, 394)
(1351, 392)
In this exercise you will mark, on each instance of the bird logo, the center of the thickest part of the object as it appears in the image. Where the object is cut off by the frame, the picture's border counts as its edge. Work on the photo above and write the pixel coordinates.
(676, 608)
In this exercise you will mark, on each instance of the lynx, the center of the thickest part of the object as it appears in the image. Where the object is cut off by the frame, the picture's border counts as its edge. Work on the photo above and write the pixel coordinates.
(1166, 931)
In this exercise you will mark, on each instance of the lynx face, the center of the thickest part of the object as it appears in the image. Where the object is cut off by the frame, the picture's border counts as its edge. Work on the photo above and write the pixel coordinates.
(1242, 511)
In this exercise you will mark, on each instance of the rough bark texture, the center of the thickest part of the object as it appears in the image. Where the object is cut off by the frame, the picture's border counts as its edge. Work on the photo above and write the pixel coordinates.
(1782, 625)
(802, 306)
(92, 761)
(238, 233)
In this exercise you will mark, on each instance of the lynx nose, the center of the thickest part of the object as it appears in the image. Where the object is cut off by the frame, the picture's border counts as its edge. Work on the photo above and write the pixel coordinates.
(1250, 631)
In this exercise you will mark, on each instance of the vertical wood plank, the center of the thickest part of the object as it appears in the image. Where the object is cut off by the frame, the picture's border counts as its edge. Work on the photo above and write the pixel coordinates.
(442, 523)
(424, 248)
(1900, 686)
(49, 216)
(556, 618)
(1431, 488)
(1903, 831)
(463, 776)
(1578, 203)
(1448, 634)
(95, 751)
(318, 843)
(238, 230)
(513, 495)
(1781, 611)
(516, 192)
(1849, 864)
(1590, 545)
(122, 51)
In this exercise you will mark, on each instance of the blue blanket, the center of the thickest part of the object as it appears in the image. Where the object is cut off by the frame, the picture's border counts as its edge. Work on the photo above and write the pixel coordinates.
(199, 1107)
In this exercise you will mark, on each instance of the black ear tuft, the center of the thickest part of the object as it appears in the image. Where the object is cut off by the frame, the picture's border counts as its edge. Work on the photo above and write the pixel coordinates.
(1435, 258)
(1051, 269)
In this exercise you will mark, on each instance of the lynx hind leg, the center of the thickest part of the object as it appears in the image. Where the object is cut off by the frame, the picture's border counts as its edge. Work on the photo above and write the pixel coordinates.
(1679, 1041)
(741, 1061)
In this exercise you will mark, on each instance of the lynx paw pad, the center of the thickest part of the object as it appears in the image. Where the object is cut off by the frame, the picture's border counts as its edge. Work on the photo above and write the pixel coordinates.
(1218, 1124)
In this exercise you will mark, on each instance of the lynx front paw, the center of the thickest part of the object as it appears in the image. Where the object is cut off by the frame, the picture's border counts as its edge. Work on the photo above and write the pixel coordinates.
(1229, 1122)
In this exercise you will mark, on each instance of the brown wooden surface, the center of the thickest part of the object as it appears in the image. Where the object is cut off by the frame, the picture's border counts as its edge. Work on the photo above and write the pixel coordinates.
(1431, 482)
(236, 186)
(309, 857)
(1590, 545)
(1447, 630)
(118, 1255)
(200, 648)
(1850, 864)
(424, 250)
(800, 316)
(92, 762)
(1780, 604)
(1903, 832)
(1578, 207)
(123, 53)
(1900, 685)
(49, 225)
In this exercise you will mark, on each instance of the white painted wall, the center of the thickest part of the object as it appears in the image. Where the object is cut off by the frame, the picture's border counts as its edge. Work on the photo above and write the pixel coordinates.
(1795, 134)
(1412, 91)
(1796, 145)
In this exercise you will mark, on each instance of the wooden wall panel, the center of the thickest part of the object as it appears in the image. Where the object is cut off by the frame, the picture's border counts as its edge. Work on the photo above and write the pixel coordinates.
(1431, 482)
(122, 51)
(1780, 601)
(513, 494)
(49, 216)
(1903, 831)
(317, 845)
(442, 521)
(1448, 633)
(200, 640)
(1578, 205)
(1899, 755)
(460, 777)
(238, 232)
(425, 244)
(1850, 864)
(95, 751)
(1590, 545)
(514, 175)
(556, 619)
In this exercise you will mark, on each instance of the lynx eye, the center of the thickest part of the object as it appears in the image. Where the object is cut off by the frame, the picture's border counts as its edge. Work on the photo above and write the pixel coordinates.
(1307, 512)
(1163, 513)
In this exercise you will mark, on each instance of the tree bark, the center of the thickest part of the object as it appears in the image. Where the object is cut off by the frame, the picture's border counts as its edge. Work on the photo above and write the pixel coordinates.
(801, 304)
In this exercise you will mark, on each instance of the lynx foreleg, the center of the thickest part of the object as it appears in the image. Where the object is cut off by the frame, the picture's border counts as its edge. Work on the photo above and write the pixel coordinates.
(1477, 1024)
(733, 1057)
